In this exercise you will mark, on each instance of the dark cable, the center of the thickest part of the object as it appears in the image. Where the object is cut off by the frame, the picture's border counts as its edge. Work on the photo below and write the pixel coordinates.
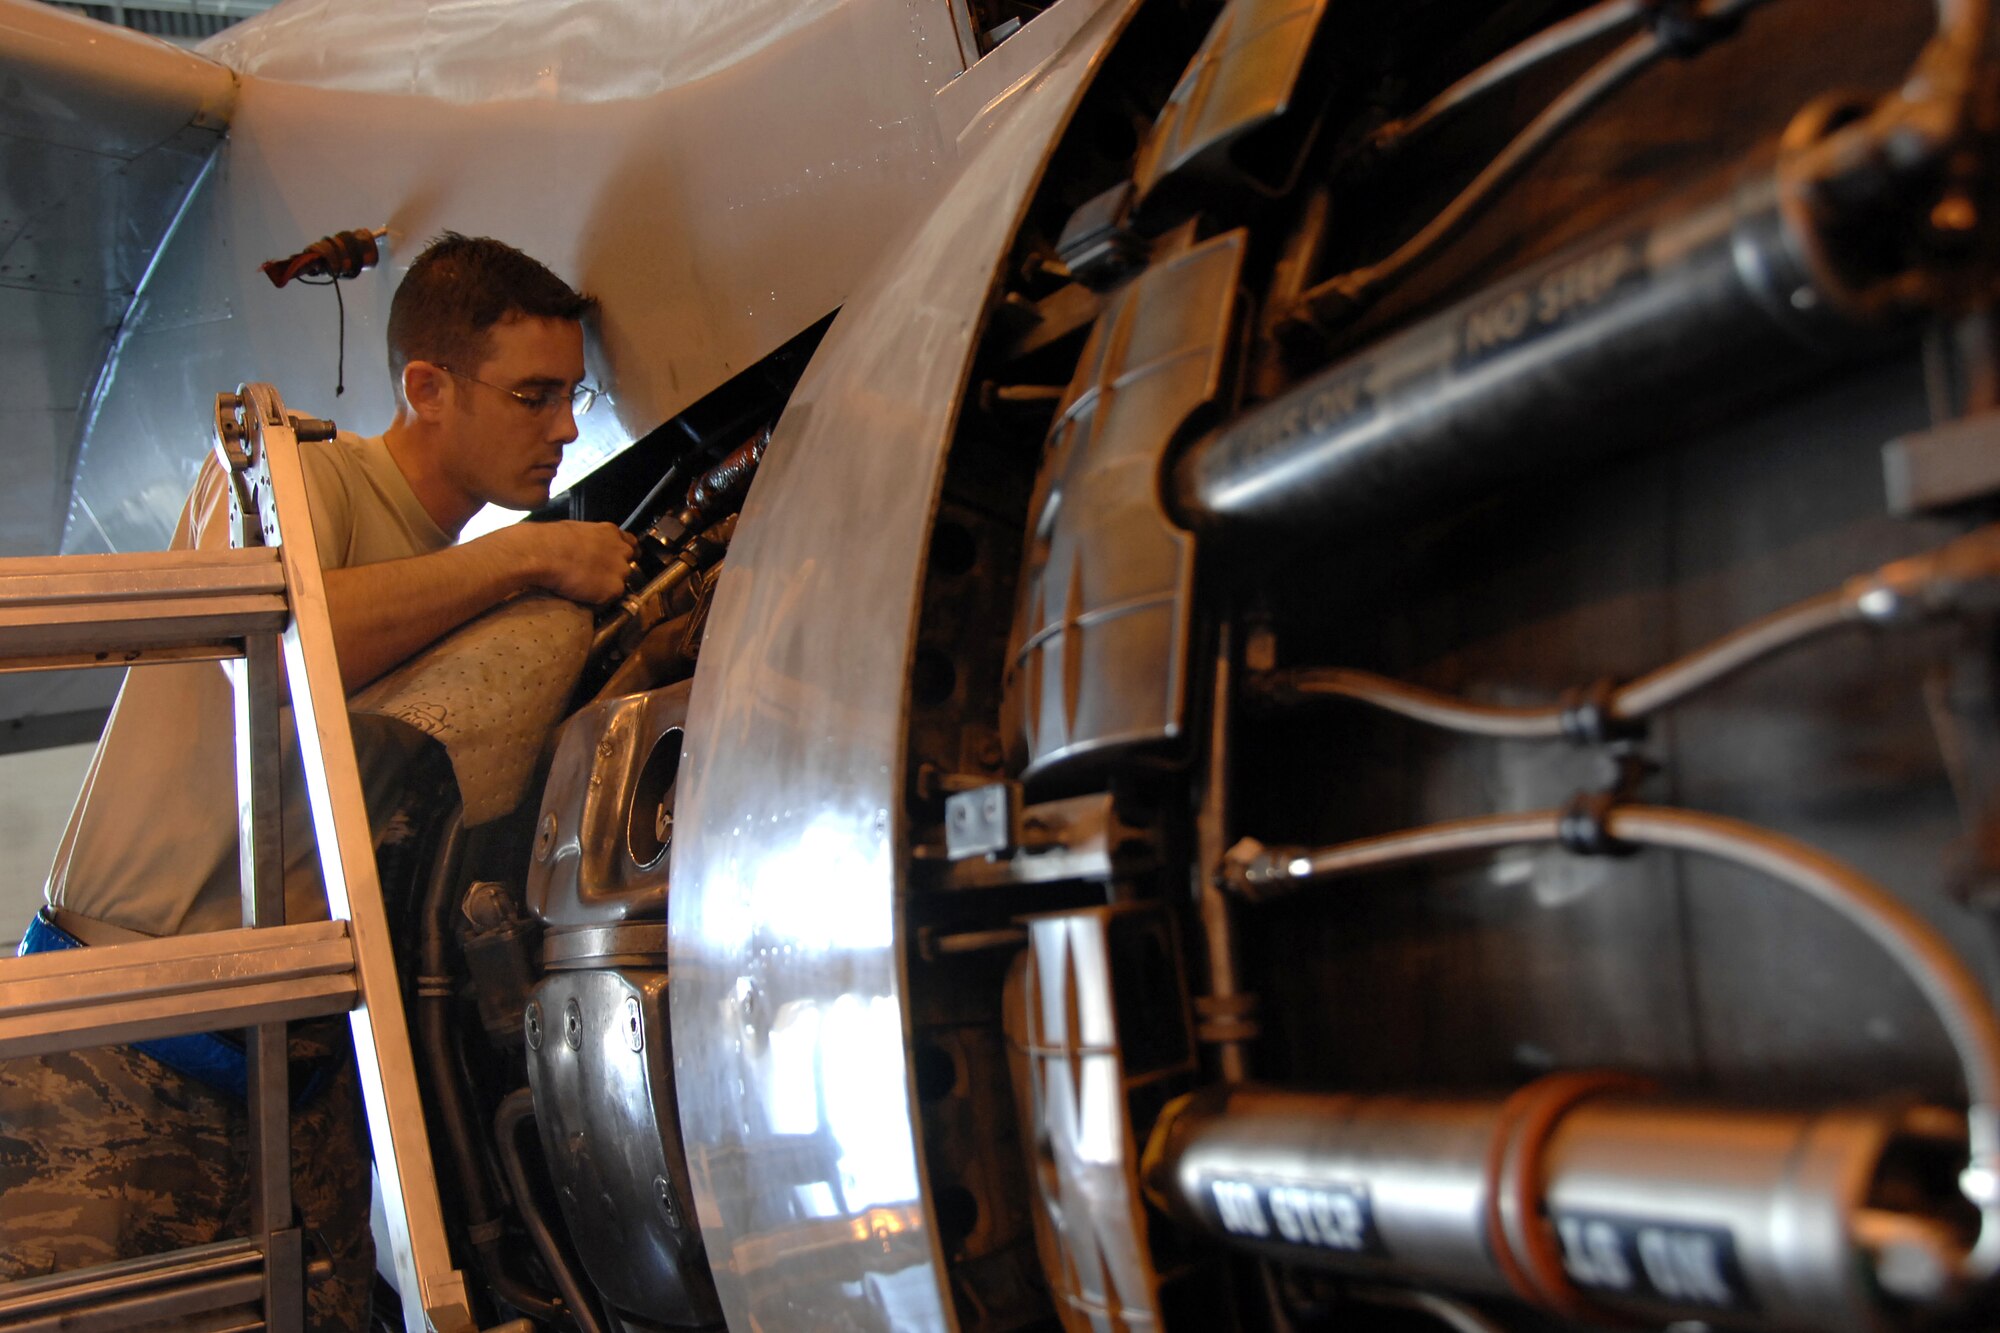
(1339, 298)
(340, 333)
(1555, 40)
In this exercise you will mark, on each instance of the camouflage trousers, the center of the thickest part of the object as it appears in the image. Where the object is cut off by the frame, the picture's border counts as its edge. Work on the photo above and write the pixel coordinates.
(108, 1154)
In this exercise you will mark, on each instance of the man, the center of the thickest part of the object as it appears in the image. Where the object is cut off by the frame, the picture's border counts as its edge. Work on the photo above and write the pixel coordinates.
(134, 1150)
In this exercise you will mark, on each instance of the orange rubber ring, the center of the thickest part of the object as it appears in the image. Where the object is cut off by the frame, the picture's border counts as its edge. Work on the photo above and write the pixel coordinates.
(1523, 1242)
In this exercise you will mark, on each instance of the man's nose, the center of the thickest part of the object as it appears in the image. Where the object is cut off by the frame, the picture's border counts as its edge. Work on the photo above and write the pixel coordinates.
(562, 427)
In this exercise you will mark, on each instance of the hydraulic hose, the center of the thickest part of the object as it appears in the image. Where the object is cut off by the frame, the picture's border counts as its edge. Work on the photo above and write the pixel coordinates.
(435, 1037)
(517, 1109)
(1605, 17)
(1953, 993)
(1334, 301)
(1962, 575)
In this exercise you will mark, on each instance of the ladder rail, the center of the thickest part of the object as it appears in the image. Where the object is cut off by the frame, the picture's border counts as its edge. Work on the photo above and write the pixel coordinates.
(268, 464)
(262, 604)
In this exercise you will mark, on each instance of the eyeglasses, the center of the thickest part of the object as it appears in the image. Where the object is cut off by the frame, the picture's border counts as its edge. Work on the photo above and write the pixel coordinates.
(580, 397)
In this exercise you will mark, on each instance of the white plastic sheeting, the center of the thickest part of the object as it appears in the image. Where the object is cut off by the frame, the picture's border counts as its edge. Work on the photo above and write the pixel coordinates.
(503, 50)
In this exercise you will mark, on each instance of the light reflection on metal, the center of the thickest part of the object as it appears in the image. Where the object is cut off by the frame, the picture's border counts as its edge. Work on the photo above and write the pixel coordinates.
(786, 876)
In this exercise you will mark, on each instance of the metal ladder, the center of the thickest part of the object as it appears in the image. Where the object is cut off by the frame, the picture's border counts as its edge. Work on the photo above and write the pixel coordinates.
(261, 601)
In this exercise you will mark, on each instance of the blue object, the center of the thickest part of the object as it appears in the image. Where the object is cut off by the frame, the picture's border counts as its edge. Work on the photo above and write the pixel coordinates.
(214, 1059)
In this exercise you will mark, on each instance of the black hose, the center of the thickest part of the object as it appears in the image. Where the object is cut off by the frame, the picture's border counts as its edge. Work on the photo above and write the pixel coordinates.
(1339, 298)
(448, 1094)
(1607, 16)
(518, 1108)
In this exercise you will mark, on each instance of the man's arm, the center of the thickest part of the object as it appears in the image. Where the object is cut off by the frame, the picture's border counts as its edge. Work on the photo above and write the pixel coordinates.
(382, 613)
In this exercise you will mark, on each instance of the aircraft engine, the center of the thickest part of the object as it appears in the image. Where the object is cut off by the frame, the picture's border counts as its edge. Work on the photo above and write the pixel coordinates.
(1356, 692)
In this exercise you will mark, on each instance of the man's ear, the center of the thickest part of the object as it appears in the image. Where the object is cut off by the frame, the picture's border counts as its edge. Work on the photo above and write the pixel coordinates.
(426, 388)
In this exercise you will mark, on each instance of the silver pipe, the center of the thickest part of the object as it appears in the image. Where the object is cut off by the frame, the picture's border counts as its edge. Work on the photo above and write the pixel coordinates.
(1589, 354)
(1954, 994)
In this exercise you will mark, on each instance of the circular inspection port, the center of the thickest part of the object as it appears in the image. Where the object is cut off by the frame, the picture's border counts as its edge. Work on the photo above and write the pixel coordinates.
(932, 677)
(649, 827)
(953, 550)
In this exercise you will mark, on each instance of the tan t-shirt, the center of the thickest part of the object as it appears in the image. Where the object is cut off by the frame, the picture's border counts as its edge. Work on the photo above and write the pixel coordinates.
(151, 845)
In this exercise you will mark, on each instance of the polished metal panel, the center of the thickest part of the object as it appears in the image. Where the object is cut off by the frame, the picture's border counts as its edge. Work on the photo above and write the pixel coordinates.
(1098, 658)
(678, 201)
(1243, 77)
(604, 1100)
(600, 858)
(628, 944)
(1100, 1040)
(783, 925)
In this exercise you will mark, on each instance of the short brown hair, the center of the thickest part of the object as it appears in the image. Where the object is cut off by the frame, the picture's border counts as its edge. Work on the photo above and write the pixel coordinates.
(458, 289)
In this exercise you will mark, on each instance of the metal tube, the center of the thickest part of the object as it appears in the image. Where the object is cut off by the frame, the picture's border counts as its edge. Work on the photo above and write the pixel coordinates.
(1589, 354)
(1607, 16)
(1657, 1209)
(1947, 984)
(516, 1110)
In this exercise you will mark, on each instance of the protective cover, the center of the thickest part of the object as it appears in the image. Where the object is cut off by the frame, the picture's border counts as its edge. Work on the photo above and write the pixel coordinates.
(490, 692)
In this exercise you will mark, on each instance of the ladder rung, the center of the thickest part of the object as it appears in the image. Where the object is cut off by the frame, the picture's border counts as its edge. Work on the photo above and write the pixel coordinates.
(111, 609)
(130, 1292)
(74, 998)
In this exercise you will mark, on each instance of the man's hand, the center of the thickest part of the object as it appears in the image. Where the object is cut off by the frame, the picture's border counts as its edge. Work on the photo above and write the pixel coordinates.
(585, 562)
(382, 613)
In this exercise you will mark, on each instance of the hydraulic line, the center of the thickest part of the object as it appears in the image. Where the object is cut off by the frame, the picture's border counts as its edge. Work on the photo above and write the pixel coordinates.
(432, 1012)
(1726, 299)
(1338, 298)
(518, 1108)
(1963, 574)
(1605, 17)
(1953, 993)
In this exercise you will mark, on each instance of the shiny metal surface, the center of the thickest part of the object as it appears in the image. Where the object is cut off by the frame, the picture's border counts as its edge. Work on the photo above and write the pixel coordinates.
(628, 944)
(1600, 349)
(1095, 1050)
(1245, 76)
(1754, 1218)
(132, 1293)
(786, 947)
(604, 1101)
(678, 202)
(1098, 658)
(600, 858)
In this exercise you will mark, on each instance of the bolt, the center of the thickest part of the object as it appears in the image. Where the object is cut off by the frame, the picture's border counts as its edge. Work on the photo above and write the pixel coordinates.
(545, 837)
(534, 1025)
(666, 1193)
(635, 1027)
(573, 1025)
